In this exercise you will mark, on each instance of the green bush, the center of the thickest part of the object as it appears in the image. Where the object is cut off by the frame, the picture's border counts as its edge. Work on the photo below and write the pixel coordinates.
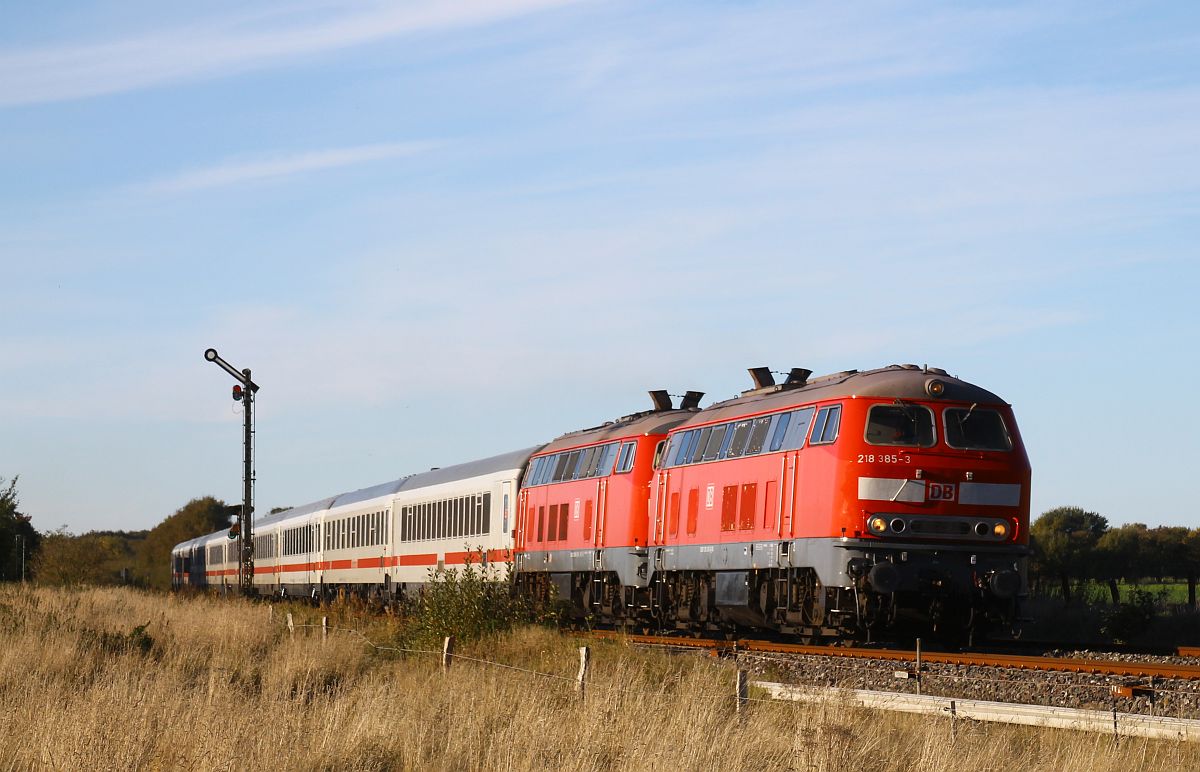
(470, 602)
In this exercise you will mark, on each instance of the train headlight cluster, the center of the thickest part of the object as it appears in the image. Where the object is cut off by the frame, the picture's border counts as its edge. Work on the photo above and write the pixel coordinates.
(934, 387)
(1000, 529)
(877, 525)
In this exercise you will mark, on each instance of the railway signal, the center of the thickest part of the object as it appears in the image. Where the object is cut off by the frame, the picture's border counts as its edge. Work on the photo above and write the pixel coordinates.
(243, 391)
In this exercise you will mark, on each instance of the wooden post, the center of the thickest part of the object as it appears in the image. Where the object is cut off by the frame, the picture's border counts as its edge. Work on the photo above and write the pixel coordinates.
(585, 656)
(270, 613)
(324, 629)
(918, 666)
(447, 653)
(743, 691)
(291, 625)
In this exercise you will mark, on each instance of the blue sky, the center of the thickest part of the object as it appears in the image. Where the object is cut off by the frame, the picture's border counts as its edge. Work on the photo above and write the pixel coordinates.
(438, 231)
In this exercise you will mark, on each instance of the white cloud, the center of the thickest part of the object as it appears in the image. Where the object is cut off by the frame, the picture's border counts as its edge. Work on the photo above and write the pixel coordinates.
(213, 49)
(234, 172)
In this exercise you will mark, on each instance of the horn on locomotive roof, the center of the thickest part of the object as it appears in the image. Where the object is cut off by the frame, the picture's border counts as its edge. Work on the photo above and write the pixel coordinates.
(691, 400)
(762, 377)
(662, 400)
(797, 377)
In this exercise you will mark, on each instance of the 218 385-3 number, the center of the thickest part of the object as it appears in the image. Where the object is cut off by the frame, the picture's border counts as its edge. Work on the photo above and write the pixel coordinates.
(884, 458)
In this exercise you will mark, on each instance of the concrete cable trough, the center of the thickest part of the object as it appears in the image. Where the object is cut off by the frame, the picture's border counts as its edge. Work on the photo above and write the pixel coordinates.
(1120, 724)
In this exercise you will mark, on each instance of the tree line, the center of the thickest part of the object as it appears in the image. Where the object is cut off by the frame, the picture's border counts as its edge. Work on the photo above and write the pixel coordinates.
(140, 558)
(1072, 545)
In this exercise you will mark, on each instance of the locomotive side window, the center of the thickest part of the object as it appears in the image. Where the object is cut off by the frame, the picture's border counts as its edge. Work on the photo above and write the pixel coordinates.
(797, 429)
(900, 424)
(829, 420)
(781, 425)
(758, 435)
(974, 429)
(625, 460)
(713, 446)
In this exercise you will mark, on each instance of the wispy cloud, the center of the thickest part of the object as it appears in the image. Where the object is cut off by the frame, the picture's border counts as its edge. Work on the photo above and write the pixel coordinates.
(235, 172)
(212, 49)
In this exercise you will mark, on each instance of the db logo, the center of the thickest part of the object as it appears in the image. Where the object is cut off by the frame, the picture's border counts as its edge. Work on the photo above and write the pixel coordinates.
(940, 491)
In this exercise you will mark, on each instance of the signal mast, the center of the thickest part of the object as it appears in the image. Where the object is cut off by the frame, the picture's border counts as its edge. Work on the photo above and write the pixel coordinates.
(243, 391)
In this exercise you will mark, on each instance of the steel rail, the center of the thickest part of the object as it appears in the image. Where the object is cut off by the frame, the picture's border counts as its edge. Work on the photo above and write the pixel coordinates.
(1017, 661)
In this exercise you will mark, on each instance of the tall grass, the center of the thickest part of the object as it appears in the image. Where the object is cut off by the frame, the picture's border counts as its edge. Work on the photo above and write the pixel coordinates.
(120, 679)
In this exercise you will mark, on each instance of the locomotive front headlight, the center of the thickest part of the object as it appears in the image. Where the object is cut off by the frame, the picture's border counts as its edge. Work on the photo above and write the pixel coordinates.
(877, 525)
(934, 387)
(1000, 529)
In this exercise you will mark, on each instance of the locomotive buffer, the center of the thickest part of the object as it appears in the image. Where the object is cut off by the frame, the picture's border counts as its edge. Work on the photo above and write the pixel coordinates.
(243, 391)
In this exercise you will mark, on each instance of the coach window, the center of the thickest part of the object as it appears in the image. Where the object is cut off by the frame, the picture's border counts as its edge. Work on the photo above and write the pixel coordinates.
(902, 424)
(625, 460)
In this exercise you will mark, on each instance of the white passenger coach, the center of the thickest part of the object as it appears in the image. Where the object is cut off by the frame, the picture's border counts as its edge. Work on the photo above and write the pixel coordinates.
(381, 541)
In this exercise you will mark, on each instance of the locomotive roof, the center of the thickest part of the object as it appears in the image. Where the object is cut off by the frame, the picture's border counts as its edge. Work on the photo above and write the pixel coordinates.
(894, 381)
(636, 425)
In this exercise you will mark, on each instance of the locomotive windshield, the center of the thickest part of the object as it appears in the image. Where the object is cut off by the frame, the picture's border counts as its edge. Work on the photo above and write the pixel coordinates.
(973, 429)
(900, 424)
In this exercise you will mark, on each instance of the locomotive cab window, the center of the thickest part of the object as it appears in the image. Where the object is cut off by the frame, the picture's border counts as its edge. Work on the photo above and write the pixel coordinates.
(900, 424)
(975, 429)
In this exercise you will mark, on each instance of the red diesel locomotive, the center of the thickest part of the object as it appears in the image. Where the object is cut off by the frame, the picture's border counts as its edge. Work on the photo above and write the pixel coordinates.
(838, 506)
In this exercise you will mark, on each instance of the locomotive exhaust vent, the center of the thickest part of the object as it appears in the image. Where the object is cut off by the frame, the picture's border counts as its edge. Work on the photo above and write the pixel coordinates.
(797, 377)
(661, 399)
(762, 377)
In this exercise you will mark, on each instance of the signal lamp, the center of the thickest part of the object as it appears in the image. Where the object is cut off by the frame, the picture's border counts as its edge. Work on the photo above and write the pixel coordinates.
(237, 393)
(877, 525)
(934, 387)
(1000, 529)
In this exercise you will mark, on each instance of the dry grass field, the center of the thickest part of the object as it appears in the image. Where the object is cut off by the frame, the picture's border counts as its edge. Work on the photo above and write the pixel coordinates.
(220, 684)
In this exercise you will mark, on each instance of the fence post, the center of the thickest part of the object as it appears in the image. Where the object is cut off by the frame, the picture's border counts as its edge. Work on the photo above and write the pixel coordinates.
(291, 625)
(447, 652)
(918, 666)
(271, 614)
(324, 628)
(585, 656)
(743, 691)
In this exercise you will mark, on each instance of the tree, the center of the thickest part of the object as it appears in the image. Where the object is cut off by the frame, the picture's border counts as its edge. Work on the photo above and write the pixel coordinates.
(18, 539)
(93, 558)
(1064, 538)
(152, 563)
(1119, 555)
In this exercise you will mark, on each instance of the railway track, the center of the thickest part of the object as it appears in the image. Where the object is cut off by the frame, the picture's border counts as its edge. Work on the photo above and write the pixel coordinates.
(1017, 661)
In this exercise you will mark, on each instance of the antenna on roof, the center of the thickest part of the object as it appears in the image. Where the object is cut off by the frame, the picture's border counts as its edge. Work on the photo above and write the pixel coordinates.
(661, 399)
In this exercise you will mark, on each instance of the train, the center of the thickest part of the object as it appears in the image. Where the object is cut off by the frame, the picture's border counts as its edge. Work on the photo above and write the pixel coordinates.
(841, 507)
